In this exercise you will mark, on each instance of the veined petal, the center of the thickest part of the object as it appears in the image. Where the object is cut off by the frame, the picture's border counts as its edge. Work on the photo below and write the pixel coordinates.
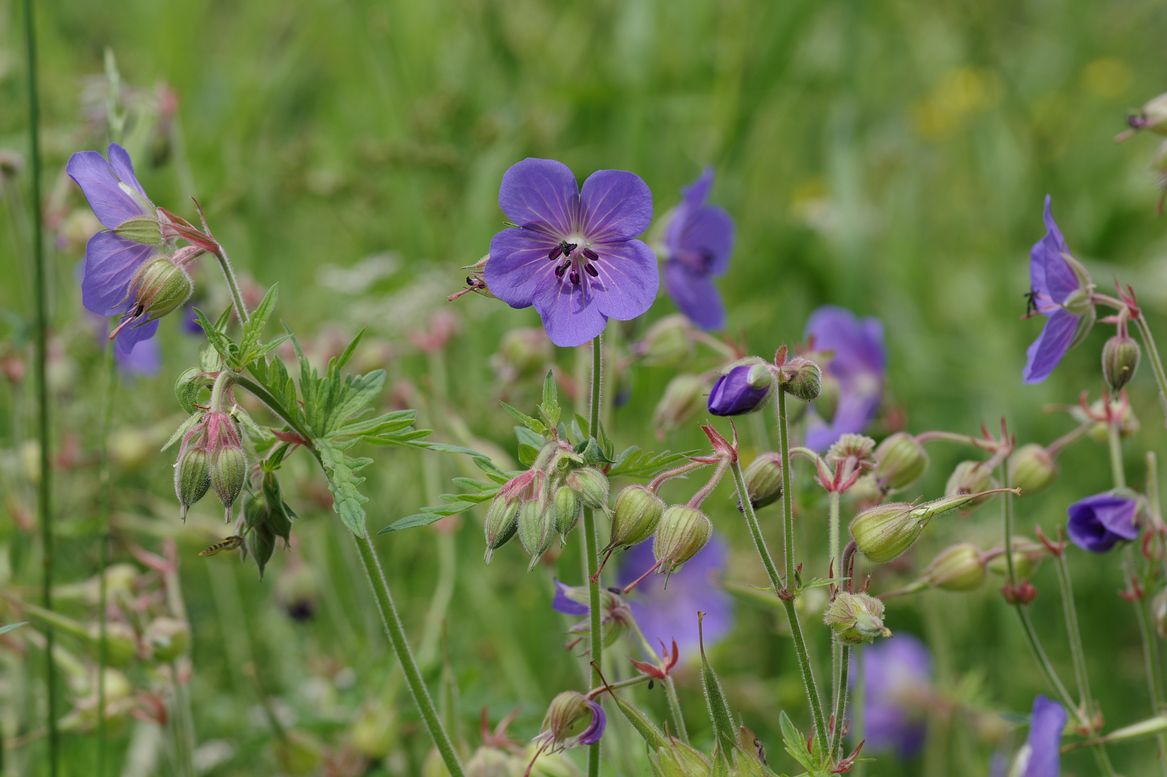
(856, 344)
(1051, 345)
(110, 264)
(569, 318)
(1045, 738)
(695, 295)
(614, 205)
(1049, 273)
(132, 337)
(144, 359)
(541, 194)
(706, 233)
(518, 265)
(110, 203)
(628, 279)
(123, 168)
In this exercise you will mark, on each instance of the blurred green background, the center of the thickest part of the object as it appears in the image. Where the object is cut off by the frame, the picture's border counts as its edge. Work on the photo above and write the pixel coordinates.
(891, 158)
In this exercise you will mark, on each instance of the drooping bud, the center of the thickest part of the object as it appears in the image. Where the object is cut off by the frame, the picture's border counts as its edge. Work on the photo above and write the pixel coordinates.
(502, 521)
(970, 477)
(802, 378)
(1031, 468)
(635, 516)
(121, 644)
(682, 533)
(1027, 555)
(192, 477)
(159, 287)
(536, 529)
(856, 619)
(225, 458)
(741, 388)
(682, 400)
(900, 460)
(1120, 359)
(567, 510)
(140, 229)
(884, 532)
(959, 567)
(667, 343)
(764, 480)
(592, 487)
(167, 638)
(572, 719)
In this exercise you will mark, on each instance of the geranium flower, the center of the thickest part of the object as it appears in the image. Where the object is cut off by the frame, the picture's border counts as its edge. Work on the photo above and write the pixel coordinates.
(897, 676)
(1098, 523)
(857, 363)
(666, 607)
(1059, 288)
(740, 389)
(698, 242)
(1041, 756)
(573, 253)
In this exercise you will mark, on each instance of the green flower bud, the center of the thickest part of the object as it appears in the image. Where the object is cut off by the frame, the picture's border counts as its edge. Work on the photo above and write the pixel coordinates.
(682, 400)
(900, 460)
(959, 567)
(856, 447)
(592, 487)
(140, 229)
(489, 762)
(192, 478)
(1027, 555)
(567, 510)
(885, 532)
(188, 387)
(764, 480)
(228, 469)
(683, 531)
(536, 529)
(502, 521)
(635, 516)
(261, 545)
(121, 644)
(856, 619)
(159, 287)
(667, 343)
(1031, 468)
(1128, 423)
(970, 477)
(679, 760)
(1120, 359)
(805, 379)
(167, 638)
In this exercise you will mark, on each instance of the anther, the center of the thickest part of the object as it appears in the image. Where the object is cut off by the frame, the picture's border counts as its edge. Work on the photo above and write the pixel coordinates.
(590, 254)
(592, 271)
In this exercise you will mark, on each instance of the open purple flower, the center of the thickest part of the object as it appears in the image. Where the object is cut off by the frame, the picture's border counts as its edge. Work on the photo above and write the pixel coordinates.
(698, 242)
(572, 252)
(857, 363)
(1042, 753)
(1097, 523)
(897, 676)
(112, 258)
(1059, 288)
(665, 608)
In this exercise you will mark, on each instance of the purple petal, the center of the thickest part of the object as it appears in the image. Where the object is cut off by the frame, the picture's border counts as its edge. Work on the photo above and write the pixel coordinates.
(695, 194)
(564, 603)
(144, 359)
(569, 317)
(1051, 345)
(895, 671)
(628, 279)
(1049, 273)
(695, 295)
(856, 345)
(110, 264)
(110, 203)
(1045, 738)
(518, 266)
(132, 337)
(595, 729)
(703, 240)
(854, 412)
(615, 205)
(1097, 523)
(123, 168)
(541, 194)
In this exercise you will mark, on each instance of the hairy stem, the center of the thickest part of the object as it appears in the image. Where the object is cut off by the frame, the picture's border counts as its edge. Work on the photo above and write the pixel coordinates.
(1073, 632)
(1156, 362)
(105, 480)
(787, 497)
(839, 652)
(592, 548)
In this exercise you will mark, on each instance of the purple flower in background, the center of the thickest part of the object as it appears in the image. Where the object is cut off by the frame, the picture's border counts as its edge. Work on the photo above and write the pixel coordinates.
(896, 680)
(572, 253)
(145, 359)
(858, 361)
(111, 260)
(742, 389)
(666, 607)
(569, 601)
(1097, 523)
(1042, 752)
(698, 242)
(1059, 289)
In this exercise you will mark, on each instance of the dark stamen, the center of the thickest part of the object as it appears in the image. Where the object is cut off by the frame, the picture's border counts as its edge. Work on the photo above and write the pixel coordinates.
(554, 253)
(575, 277)
(590, 254)
(567, 247)
(592, 271)
(560, 270)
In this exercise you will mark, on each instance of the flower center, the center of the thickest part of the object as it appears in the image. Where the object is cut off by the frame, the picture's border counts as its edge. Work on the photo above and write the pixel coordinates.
(573, 254)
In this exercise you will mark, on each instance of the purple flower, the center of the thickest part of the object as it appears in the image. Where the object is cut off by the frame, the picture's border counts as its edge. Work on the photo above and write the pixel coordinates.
(1097, 523)
(698, 242)
(896, 680)
(857, 363)
(145, 359)
(111, 260)
(666, 607)
(569, 601)
(1059, 289)
(572, 719)
(572, 253)
(1042, 753)
(742, 389)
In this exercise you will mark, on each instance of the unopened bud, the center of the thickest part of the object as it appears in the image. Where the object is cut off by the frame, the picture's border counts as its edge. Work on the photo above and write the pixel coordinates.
(522, 352)
(167, 638)
(970, 477)
(805, 379)
(741, 388)
(764, 480)
(856, 619)
(959, 567)
(900, 460)
(140, 229)
(192, 478)
(572, 718)
(159, 287)
(567, 510)
(536, 529)
(635, 516)
(591, 485)
(667, 343)
(491, 762)
(261, 545)
(682, 533)
(502, 521)
(683, 399)
(228, 471)
(1120, 359)
(856, 447)
(1027, 555)
(188, 387)
(884, 532)
(1031, 468)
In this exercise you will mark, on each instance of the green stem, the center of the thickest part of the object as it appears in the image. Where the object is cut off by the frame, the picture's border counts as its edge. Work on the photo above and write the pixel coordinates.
(807, 671)
(838, 651)
(44, 505)
(592, 548)
(840, 704)
(1074, 633)
(396, 633)
(105, 480)
(232, 285)
(670, 686)
(857, 710)
(787, 498)
(1156, 362)
(1150, 659)
(1118, 473)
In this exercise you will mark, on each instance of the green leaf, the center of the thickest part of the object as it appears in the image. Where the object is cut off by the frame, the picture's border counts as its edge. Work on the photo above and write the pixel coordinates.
(530, 443)
(183, 428)
(12, 626)
(530, 422)
(217, 337)
(549, 409)
(344, 483)
(795, 745)
(412, 522)
(724, 729)
(636, 463)
(250, 347)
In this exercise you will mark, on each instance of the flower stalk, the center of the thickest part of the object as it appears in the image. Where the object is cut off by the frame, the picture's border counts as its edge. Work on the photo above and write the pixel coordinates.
(592, 549)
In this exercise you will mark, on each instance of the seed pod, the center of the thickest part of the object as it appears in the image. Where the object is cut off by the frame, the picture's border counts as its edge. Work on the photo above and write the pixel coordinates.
(856, 619)
(192, 478)
(969, 477)
(764, 480)
(805, 379)
(502, 521)
(536, 529)
(635, 516)
(1027, 555)
(567, 510)
(1031, 468)
(900, 460)
(959, 567)
(884, 532)
(591, 485)
(682, 533)
(1120, 360)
